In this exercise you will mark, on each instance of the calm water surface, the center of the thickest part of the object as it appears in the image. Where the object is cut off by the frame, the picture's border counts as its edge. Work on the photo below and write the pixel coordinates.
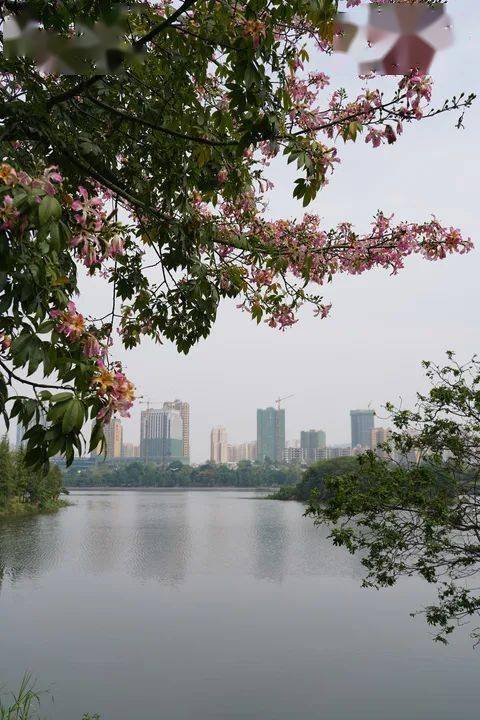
(205, 605)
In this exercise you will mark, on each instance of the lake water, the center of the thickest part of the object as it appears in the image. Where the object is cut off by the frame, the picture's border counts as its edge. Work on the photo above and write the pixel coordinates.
(206, 605)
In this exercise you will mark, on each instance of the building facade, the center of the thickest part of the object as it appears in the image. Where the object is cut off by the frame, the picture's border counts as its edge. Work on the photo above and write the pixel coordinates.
(242, 451)
(270, 434)
(311, 441)
(338, 451)
(161, 436)
(113, 438)
(379, 436)
(294, 455)
(219, 445)
(362, 423)
(130, 450)
(184, 410)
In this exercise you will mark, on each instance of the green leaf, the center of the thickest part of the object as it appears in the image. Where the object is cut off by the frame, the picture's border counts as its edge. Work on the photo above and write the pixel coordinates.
(73, 416)
(49, 209)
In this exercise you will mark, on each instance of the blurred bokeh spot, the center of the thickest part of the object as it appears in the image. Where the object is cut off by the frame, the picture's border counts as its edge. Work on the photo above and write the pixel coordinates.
(403, 37)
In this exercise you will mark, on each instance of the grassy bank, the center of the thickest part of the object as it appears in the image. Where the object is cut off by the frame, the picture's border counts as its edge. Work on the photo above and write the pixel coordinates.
(16, 508)
(25, 490)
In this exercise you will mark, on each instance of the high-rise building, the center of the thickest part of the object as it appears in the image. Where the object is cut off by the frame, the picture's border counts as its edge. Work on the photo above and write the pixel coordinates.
(310, 441)
(219, 445)
(161, 436)
(294, 455)
(362, 423)
(378, 437)
(242, 451)
(184, 410)
(248, 451)
(320, 454)
(337, 451)
(292, 443)
(270, 434)
(130, 450)
(113, 438)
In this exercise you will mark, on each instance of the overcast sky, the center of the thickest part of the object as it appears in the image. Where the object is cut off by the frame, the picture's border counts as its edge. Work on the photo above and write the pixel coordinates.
(380, 328)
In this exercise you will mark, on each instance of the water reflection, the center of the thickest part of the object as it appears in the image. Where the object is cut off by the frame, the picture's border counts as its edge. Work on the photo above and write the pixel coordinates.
(30, 546)
(213, 605)
(161, 543)
(105, 532)
(270, 540)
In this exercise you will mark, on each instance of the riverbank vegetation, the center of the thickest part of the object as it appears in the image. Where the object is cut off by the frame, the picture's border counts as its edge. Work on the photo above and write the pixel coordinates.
(24, 704)
(139, 474)
(420, 518)
(315, 479)
(24, 490)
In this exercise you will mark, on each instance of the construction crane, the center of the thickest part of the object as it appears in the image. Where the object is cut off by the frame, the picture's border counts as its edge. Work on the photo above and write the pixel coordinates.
(279, 400)
(150, 402)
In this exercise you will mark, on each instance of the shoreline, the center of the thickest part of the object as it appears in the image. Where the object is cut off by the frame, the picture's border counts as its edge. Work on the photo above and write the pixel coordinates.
(130, 488)
(20, 510)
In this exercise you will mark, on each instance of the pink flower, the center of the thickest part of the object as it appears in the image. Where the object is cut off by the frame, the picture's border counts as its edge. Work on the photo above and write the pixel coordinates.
(91, 346)
(222, 176)
(5, 342)
(70, 322)
(116, 246)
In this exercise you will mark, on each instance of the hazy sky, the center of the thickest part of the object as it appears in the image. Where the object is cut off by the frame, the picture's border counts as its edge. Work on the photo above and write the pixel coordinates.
(380, 328)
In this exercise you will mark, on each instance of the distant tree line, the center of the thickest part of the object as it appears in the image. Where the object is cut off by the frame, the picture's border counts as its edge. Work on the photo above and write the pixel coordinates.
(139, 474)
(25, 489)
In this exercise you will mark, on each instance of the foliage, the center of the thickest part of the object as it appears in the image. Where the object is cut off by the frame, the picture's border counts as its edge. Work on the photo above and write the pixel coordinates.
(138, 474)
(315, 478)
(417, 513)
(155, 178)
(22, 487)
(25, 703)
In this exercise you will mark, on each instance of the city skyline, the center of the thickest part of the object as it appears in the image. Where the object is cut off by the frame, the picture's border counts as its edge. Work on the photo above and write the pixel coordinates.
(381, 327)
(164, 434)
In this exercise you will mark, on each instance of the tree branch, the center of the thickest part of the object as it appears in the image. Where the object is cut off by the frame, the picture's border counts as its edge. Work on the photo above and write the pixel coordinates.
(160, 128)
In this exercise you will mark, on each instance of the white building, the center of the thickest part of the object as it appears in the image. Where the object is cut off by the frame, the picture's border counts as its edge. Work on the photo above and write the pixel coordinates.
(219, 445)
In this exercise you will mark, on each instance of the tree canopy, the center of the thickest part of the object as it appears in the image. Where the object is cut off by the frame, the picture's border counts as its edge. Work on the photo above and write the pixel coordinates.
(417, 512)
(140, 474)
(136, 142)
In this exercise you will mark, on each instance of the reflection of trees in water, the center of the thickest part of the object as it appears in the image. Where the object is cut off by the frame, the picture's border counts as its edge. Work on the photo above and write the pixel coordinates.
(103, 542)
(270, 540)
(29, 546)
(313, 552)
(161, 543)
(286, 543)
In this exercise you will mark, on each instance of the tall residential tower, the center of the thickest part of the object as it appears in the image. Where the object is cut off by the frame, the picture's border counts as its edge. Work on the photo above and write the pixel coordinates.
(184, 410)
(270, 434)
(161, 436)
(219, 445)
(362, 424)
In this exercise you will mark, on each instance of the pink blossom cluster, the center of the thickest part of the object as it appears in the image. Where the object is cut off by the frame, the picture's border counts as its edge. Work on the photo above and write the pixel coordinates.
(306, 251)
(341, 118)
(8, 213)
(71, 323)
(91, 238)
(112, 386)
(94, 238)
(48, 182)
(5, 342)
(116, 391)
(387, 245)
